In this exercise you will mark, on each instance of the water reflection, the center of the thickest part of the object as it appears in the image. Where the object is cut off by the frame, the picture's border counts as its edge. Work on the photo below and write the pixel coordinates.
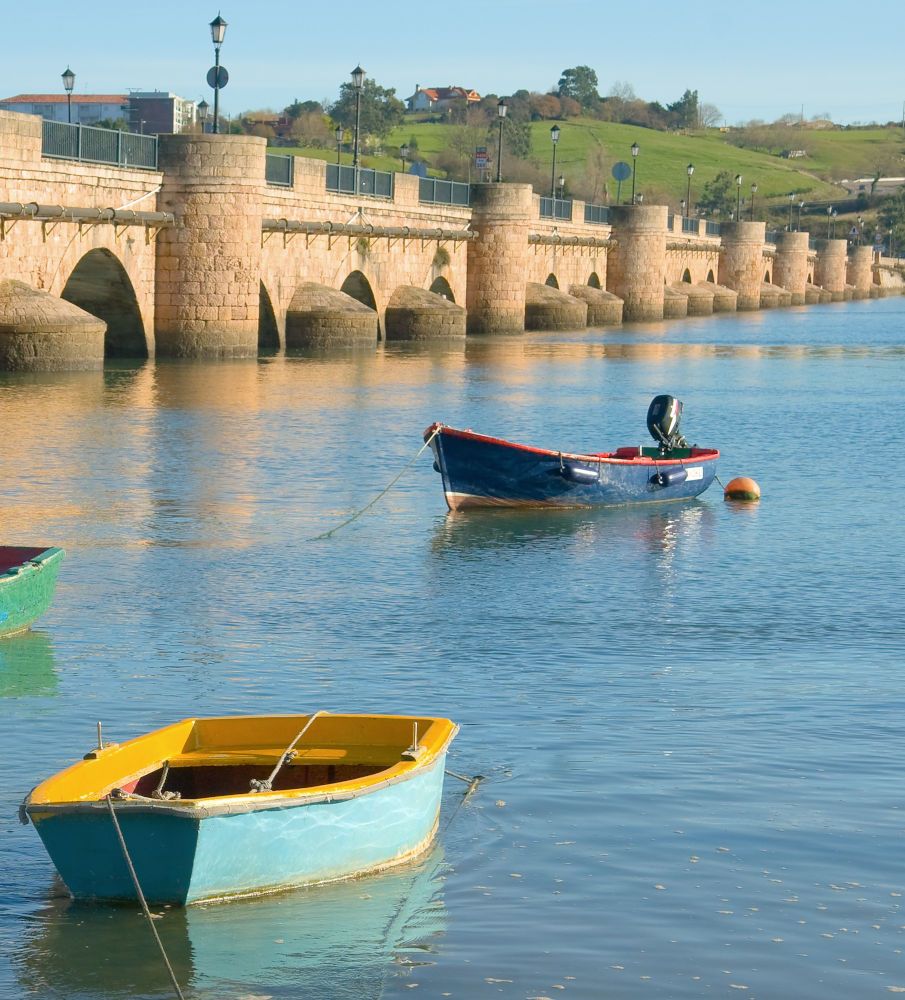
(655, 529)
(344, 940)
(27, 665)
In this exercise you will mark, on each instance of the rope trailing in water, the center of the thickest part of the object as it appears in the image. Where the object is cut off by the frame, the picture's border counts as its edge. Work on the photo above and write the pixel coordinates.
(472, 783)
(141, 896)
(382, 493)
(287, 755)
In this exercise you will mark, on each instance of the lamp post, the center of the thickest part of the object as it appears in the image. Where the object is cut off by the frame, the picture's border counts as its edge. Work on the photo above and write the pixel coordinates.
(338, 134)
(562, 187)
(358, 80)
(203, 108)
(217, 77)
(68, 84)
(860, 228)
(738, 198)
(403, 154)
(800, 207)
(753, 193)
(636, 149)
(835, 213)
(829, 219)
(501, 110)
(688, 170)
(554, 138)
(791, 199)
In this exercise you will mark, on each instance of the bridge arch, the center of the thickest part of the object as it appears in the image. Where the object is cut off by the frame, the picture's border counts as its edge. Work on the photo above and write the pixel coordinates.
(268, 330)
(440, 286)
(686, 276)
(100, 285)
(551, 281)
(710, 277)
(594, 280)
(767, 276)
(359, 288)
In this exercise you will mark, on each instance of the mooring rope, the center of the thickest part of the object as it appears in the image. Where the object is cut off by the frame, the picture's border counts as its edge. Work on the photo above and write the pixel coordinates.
(286, 756)
(382, 493)
(141, 897)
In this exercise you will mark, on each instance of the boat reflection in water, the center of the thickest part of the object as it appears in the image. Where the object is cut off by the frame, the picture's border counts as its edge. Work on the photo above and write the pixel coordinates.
(342, 940)
(27, 665)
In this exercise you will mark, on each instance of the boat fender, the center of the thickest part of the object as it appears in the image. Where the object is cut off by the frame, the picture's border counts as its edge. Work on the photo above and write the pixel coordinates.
(669, 477)
(579, 473)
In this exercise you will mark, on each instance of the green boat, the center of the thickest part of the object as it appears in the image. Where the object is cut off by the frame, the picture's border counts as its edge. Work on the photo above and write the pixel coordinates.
(27, 580)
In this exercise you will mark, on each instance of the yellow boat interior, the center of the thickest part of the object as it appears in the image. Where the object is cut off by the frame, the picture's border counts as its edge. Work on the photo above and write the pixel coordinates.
(253, 757)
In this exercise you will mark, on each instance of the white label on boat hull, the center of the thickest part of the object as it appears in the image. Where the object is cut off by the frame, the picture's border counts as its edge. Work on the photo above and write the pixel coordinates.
(696, 472)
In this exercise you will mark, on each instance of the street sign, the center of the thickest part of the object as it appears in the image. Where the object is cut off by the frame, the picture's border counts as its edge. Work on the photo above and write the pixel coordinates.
(621, 171)
(481, 159)
(217, 77)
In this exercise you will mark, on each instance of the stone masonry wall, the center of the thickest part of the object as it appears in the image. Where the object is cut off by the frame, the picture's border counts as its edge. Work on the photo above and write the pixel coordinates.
(830, 270)
(860, 271)
(636, 269)
(45, 256)
(742, 261)
(790, 265)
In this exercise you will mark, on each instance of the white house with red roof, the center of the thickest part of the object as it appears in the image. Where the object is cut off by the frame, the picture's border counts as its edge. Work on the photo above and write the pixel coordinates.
(440, 98)
(87, 109)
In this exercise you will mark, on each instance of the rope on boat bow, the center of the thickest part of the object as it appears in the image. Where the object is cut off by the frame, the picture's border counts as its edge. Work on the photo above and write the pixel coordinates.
(382, 493)
(141, 897)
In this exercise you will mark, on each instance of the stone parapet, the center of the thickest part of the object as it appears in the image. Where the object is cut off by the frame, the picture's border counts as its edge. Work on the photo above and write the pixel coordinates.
(742, 261)
(209, 265)
(790, 265)
(498, 258)
(636, 265)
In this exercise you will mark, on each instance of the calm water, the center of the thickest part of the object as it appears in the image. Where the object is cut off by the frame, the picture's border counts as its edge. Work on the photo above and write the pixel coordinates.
(691, 717)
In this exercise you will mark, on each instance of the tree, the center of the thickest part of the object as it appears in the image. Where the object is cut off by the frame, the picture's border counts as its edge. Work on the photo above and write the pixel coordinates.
(709, 115)
(579, 83)
(298, 108)
(685, 110)
(381, 110)
(719, 195)
(892, 218)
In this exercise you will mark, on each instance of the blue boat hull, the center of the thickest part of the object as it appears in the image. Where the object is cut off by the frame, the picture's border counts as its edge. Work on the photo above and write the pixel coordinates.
(480, 471)
(181, 857)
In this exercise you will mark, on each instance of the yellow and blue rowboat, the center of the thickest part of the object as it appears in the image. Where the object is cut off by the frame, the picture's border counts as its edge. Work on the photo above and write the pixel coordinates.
(235, 806)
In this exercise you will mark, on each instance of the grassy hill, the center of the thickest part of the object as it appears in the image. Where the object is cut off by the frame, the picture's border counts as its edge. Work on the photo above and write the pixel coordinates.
(833, 154)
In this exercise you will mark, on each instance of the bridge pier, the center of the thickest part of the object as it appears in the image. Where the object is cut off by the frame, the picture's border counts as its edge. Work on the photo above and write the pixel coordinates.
(636, 265)
(498, 259)
(209, 265)
(742, 261)
(860, 271)
(790, 265)
(830, 270)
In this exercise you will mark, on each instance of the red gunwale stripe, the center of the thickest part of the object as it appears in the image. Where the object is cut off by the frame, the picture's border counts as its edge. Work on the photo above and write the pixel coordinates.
(703, 455)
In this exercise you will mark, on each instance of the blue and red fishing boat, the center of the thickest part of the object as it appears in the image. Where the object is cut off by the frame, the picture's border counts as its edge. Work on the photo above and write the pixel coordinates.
(482, 471)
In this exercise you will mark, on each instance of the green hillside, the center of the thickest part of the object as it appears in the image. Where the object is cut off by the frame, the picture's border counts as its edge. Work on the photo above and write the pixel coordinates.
(588, 148)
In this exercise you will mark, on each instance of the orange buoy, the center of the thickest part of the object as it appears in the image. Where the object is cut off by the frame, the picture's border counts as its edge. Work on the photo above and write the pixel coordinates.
(742, 488)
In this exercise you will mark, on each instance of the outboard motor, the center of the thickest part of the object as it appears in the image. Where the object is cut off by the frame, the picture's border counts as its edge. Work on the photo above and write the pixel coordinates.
(663, 418)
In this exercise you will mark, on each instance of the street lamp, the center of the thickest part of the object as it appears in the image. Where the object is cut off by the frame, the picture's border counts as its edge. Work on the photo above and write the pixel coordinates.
(338, 134)
(358, 80)
(829, 219)
(753, 193)
(835, 213)
(738, 198)
(501, 110)
(791, 199)
(203, 108)
(860, 228)
(689, 170)
(800, 207)
(403, 153)
(554, 138)
(217, 77)
(636, 149)
(562, 187)
(68, 84)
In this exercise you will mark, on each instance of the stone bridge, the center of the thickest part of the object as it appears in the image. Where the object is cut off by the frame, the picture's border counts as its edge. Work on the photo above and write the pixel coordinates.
(203, 257)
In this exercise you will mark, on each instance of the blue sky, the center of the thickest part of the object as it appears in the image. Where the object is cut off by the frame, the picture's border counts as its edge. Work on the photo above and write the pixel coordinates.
(757, 60)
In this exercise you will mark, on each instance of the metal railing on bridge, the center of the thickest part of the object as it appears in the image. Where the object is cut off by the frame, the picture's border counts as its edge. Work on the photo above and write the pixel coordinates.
(439, 192)
(712, 228)
(98, 145)
(279, 170)
(689, 225)
(772, 235)
(556, 208)
(359, 180)
(597, 215)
